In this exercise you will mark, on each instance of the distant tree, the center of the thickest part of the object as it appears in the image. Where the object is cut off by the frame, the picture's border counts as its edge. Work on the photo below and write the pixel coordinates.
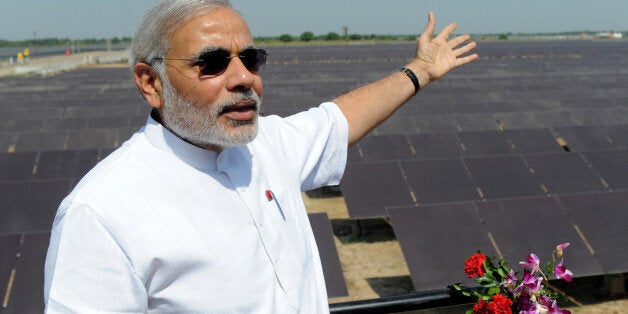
(502, 37)
(332, 36)
(285, 38)
(307, 36)
(355, 37)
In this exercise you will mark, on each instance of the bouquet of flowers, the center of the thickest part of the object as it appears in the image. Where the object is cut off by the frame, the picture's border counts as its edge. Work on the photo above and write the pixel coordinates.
(503, 292)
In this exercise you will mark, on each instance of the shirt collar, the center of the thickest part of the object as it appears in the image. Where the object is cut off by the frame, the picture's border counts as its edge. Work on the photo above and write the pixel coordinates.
(165, 140)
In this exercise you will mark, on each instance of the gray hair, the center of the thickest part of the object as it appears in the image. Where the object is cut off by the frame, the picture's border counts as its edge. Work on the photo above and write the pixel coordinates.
(152, 38)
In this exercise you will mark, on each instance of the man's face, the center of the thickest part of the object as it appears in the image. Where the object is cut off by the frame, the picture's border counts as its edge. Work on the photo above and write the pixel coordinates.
(213, 111)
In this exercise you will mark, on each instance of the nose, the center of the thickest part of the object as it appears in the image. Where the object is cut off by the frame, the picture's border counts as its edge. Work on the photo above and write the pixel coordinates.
(238, 76)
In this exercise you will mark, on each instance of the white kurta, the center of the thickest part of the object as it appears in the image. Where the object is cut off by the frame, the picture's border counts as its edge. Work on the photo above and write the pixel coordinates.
(165, 226)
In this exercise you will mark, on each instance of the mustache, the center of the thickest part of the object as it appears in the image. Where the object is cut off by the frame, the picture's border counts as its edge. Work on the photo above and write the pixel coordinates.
(244, 100)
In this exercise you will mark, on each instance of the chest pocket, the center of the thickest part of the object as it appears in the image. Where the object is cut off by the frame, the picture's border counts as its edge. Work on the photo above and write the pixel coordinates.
(289, 219)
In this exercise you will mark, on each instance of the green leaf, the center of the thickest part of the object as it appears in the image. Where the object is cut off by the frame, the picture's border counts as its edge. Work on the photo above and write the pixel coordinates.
(457, 287)
(469, 312)
(494, 290)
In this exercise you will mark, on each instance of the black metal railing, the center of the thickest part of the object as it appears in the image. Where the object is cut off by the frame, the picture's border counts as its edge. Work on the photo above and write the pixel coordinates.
(408, 302)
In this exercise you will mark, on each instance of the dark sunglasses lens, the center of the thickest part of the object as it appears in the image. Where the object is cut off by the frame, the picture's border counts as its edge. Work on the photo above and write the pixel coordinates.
(253, 59)
(214, 62)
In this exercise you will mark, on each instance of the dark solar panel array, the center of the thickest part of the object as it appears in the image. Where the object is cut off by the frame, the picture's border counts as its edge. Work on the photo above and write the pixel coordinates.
(324, 235)
(529, 130)
(518, 138)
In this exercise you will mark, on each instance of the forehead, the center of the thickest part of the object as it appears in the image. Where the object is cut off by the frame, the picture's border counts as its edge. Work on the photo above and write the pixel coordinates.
(221, 27)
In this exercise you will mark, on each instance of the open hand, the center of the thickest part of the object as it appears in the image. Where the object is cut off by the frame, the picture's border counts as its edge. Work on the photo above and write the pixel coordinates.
(437, 56)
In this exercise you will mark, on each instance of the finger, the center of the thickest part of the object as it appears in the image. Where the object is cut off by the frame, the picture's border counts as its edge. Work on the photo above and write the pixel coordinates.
(444, 34)
(455, 42)
(428, 32)
(465, 49)
(464, 60)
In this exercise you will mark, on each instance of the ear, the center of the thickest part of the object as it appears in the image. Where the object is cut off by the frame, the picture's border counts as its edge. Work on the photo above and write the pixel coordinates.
(149, 84)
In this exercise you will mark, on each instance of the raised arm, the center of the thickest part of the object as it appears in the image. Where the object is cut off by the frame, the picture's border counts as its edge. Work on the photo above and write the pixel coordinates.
(368, 106)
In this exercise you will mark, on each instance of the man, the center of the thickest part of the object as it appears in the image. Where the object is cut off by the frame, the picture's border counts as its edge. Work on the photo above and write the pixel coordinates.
(201, 210)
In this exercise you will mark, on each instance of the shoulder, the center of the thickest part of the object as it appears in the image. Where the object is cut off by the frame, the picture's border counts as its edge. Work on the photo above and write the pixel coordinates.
(110, 174)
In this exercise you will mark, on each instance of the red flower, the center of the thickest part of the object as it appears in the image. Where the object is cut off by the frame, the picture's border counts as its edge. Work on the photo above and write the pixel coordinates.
(481, 308)
(474, 265)
(499, 304)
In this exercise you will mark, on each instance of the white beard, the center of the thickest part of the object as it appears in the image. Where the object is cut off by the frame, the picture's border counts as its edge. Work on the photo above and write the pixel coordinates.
(199, 123)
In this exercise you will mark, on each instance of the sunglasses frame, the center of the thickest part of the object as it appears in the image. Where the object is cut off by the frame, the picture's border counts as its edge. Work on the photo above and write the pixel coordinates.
(203, 60)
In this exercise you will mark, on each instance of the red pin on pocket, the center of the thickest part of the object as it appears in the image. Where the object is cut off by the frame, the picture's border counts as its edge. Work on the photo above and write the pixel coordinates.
(271, 196)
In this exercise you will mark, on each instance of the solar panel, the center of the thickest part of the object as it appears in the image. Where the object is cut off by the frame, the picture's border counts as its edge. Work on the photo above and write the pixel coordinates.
(385, 147)
(397, 125)
(469, 107)
(436, 240)
(332, 270)
(533, 141)
(485, 143)
(536, 225)
(588, 102)
(612, 165)
(502, 177)
(87, 139)
(107, 122)
(531, 104)
(424, 109)
(618, 134)
(441, 123)
(30, 206)
(517, 120)
(62, 124)
(439, 181)
(593, 117)
(474, 122)
(602, 219)
(41, 141)
(555, 118)
(582, 138)
(354, 154)
(435, 145)
(29, 276)
(503, 106)
(369, 187)
(17, 166)
(564, 173)
(620, 114)
(70, 164)
(9, 249)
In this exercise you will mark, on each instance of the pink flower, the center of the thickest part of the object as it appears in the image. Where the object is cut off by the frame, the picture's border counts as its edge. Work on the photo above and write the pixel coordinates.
(550, 306)
(532, 283)
(562, 272)
(553, 309)
(560, 248)
(511, 280)
(532, 262)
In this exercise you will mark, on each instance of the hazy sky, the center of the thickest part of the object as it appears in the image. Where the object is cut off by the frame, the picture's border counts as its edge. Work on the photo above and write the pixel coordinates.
(78, 19)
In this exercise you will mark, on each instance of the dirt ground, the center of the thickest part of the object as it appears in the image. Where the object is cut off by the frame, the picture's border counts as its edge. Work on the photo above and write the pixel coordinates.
(374, 269)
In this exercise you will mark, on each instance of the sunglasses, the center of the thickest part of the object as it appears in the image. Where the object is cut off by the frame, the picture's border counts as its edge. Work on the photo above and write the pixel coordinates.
(215, 62)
